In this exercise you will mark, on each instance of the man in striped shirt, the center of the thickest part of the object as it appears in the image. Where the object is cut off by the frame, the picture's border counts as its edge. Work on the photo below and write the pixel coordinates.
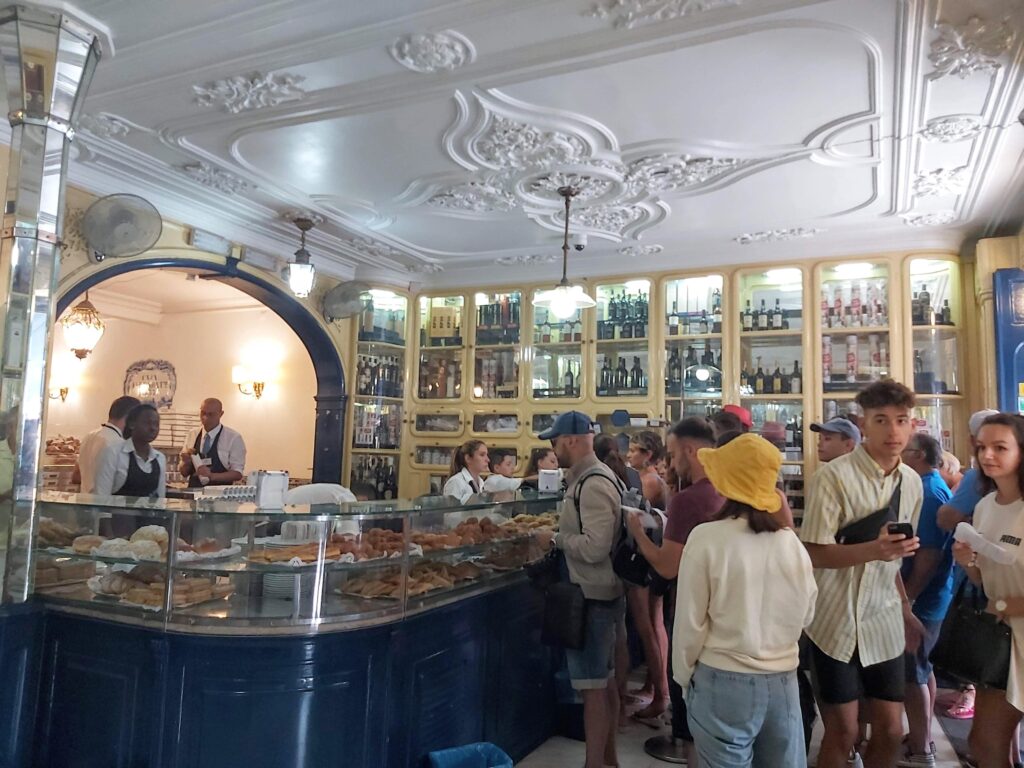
(862, 622)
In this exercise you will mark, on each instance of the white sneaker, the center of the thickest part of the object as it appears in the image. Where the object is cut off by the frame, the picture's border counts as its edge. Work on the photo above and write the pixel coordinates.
(854, 760)
(927, 760)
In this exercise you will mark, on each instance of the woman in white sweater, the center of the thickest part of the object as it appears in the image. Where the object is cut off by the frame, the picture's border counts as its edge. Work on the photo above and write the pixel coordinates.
(746, 591)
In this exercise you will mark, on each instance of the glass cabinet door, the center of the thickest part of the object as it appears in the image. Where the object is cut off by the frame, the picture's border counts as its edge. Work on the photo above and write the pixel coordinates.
(693, 346)
(854, 315)
(622, 367)
(441, 348)
(935, 318)
(771, 339)
(556, 367)
(497, 349)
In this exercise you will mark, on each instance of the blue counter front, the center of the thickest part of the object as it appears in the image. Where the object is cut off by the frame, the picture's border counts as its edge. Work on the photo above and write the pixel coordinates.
(116, 695)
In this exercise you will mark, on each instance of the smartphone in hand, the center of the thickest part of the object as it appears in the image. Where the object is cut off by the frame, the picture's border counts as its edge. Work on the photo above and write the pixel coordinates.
(905, 528)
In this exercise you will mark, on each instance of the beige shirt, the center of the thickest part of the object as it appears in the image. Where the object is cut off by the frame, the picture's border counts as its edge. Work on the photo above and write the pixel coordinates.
(858, 608)
(744, 600)
(91, 449)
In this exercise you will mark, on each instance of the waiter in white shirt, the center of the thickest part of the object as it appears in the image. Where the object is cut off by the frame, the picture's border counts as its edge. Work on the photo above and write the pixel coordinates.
(220, 449)
(93, 444)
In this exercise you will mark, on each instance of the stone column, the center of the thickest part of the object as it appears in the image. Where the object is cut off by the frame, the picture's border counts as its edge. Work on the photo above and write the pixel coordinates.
(48, 58)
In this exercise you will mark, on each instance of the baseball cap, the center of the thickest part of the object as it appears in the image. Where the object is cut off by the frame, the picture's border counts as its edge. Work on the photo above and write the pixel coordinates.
(977, 418)
(745, 470)
(742, 413)
(568, 423)
(840, 426)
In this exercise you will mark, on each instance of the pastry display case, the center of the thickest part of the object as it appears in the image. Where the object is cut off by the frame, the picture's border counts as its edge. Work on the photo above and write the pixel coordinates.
(221, 567)
(693, 365)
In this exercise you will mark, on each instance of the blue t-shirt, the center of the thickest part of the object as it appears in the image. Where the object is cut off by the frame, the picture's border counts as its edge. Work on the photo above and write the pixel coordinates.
(933, 602)
(966, 496)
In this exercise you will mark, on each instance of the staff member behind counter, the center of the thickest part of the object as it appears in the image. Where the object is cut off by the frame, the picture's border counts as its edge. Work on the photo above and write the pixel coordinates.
(220, 449)
(133, 467)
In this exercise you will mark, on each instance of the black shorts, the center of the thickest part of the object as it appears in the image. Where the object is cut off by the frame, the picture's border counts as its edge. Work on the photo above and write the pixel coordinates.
(841, 682)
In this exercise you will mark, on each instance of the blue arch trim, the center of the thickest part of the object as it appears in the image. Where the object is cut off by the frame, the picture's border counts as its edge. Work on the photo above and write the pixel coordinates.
(328, 439)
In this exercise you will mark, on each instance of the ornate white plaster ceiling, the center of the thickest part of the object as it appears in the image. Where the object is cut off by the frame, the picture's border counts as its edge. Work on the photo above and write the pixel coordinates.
(431, 135)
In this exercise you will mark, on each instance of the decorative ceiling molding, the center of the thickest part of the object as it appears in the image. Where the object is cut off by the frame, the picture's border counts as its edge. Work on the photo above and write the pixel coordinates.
(941, 181)
(253, 91)
(627, 14)
(637, 251)
(933, 219)
(526, 258)
(104, 125)
(777, 235)
(665, 173)
(426, 268)
(374, 249)
(474, 197)
(952, 128)
(72, 240)
(973, 47)
(215, 178)
(433, 51)
(301, 213)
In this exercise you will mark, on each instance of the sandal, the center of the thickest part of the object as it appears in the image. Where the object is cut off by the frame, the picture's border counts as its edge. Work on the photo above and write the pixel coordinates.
(963, 707)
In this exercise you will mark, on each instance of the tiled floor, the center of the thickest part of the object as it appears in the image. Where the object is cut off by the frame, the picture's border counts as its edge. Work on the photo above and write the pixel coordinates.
(566, 753)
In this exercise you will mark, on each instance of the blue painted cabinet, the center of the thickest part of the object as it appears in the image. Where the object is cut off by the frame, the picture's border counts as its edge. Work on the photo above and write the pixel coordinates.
(21, 632)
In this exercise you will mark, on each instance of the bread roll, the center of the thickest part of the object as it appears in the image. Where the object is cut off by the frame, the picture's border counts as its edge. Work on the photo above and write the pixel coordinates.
(83, 545)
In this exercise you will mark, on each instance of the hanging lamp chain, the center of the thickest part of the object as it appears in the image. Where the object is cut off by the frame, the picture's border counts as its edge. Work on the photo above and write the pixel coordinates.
(568, 193)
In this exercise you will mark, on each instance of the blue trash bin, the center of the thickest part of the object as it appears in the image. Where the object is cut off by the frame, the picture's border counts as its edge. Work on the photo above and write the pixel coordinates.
(482, 755)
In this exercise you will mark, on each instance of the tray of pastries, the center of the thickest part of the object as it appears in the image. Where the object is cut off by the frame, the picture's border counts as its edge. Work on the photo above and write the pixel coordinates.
(54, 534)
(423, 578)
(57, 572)
(186, 593)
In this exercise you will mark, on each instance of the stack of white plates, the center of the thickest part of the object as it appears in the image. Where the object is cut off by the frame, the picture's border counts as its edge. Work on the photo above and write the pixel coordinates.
(284, 585)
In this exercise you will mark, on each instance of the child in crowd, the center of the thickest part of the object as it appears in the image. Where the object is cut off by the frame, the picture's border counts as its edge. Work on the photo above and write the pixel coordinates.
(503, 465)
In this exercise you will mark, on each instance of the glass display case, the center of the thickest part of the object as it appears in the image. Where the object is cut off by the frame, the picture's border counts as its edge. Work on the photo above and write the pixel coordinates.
(693, 346)
(556, 365)
(622, 362)
(855, 335)
(771, 359)
(496, 423)
(441, 348)
(223, 567)
(497, 347)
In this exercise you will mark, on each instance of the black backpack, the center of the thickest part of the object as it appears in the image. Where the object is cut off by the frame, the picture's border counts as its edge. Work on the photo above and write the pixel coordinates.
(627, 562)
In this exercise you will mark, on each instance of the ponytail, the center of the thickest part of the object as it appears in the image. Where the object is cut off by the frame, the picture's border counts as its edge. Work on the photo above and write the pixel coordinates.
(459, 455)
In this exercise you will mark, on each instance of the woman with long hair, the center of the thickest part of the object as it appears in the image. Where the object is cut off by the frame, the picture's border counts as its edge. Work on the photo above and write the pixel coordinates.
(469, 462)
(749, 593)
(541, 458)
(645, 450)
(999, 517)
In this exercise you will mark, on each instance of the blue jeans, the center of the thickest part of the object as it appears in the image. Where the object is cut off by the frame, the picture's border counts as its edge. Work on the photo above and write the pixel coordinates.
(744, 720)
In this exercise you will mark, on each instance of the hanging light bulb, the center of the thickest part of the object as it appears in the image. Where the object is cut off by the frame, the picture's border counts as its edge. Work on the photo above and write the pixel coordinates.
(83, 328)
(564, 300)
(301, 274)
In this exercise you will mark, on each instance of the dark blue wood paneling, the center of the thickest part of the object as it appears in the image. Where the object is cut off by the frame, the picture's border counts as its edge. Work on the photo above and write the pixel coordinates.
(21, 630)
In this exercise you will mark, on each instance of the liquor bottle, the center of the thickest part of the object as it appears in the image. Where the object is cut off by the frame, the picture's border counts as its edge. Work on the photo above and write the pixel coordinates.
(947, 313)
(777, 380)
(673, 320)
(918, 362)
(569, 381)
(621, 375)
(703, 326)
(380, 480)
(545, 332)
(689, 364)
(506, 312)
(707, 357)
(625, 325)
(607, 375)
(759, 379)
(636, 374)
(746, 385)
(577, 331)
(791, 433)
(762, 317)
(855, 305)
(672, 370)
(777, 316)
(391, 484)
(796, 380)
(915, 309)
(716, 311)
(368, 312)
(450, 382)
(925, 302)
(613, 313)
(748, 318)
(640, 318)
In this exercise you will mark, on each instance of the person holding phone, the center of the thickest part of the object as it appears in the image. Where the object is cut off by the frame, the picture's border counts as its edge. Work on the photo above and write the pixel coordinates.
(928, 577)
(863, 624)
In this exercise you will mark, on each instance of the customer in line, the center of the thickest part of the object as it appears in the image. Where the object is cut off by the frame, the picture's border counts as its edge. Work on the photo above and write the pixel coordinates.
(586, 535)
(94, 443)
(645, 450)
(469, 461)
(746, 593)
(836, 437)
(860, 632)
(133, 467)
(999, 517)
(950, 470)
(928, 577)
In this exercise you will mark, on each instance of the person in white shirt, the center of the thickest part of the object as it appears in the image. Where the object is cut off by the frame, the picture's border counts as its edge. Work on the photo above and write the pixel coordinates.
(749, 592)
(133, 467)
(220, 450)
(503, 464)
(94, 443)
(469, 461)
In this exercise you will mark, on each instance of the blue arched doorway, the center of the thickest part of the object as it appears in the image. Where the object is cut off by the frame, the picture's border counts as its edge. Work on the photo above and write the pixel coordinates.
(329, 431)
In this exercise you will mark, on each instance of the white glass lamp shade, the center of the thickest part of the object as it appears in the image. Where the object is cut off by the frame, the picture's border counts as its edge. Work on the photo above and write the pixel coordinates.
(83, 329)
(300, 279)
(563, 301)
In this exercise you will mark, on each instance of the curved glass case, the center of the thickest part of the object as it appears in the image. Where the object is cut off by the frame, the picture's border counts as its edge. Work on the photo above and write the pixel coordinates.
(221, 567)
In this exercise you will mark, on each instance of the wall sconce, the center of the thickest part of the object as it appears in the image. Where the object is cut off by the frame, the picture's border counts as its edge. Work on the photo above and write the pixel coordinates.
(241, 377)
(61, 392)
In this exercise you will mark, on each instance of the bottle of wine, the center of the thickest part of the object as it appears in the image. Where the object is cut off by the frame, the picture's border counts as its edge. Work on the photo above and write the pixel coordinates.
(915, 309)
(777, 316)
(703, 326)
(777, 380)
(569, 381)
(947, 313)
(621, 375)
(748, 318)
(762, 317)
(759, 379)
(796, 380)
(607, 375)
(636, 374)
(925, 302)
(672, 370)
(716, 311)
(673, 320)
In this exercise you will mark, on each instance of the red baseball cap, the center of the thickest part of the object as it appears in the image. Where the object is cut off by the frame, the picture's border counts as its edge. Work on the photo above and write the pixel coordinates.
(742, 413)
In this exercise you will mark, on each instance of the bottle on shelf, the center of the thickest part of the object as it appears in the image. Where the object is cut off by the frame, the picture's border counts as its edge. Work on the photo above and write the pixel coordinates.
(569, 381)
(747, 318)
(947, 313)
(637, 379)
(621, 375)
(716, 311)
(607, 375)
(691, 362)
(796, 380)
(673, 320)
(826, 359)
(759, 379)
(777, 316)
(925, 306)
(762, 317)
(777, 380)
(673, 371)
(702, 326)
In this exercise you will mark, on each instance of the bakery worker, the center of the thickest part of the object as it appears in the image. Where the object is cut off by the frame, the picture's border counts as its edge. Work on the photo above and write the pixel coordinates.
(133, 467)
(220, 449)
(94, 443)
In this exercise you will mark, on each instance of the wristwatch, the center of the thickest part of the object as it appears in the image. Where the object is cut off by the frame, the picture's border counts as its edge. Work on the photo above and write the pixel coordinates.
(1000, 607)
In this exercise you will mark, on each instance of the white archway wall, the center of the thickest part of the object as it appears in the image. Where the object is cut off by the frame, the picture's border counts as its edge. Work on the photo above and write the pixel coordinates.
(202, 346)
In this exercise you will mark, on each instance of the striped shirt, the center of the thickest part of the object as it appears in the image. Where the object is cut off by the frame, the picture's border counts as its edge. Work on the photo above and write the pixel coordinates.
(858, 608)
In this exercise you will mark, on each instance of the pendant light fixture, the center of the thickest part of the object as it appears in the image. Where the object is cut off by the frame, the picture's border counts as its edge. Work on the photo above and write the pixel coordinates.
(564, 300)
(301, 273)
(83, 328)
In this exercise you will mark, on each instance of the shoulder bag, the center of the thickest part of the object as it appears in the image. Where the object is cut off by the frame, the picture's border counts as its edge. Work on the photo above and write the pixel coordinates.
(973, 646)
(867, 528)
(627, 561)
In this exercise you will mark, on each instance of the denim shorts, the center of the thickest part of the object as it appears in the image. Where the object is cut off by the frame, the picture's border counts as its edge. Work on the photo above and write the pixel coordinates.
(918, 667)
(592, 665)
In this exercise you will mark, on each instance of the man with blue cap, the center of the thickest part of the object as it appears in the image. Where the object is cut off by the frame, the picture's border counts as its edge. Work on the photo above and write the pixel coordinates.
(586, 534)
(836, 437)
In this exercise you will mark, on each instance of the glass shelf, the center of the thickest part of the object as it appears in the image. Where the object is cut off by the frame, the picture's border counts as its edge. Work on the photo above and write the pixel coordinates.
(622, 371)
(434, 455)
(851, 361)
(556, 363)
(694, 370)
(380, 371)
(771, 364)
(440, 374)
(854, 297)
(376, 425)
(497, 423)
(437, 423)
(935, 293)
(441, 321)
(693, 306)
(496, 373)
(938, 418)
(498, 318)
(936, 361)
(376, 472)
(383, 319)
(771, 301)
(623, 310)
(780, 422)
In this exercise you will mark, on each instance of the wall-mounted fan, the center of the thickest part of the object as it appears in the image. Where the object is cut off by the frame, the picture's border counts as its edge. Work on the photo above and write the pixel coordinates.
(121, 225)
(344, 300)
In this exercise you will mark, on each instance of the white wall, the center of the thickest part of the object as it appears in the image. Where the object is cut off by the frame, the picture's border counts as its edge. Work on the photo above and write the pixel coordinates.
(202, 347)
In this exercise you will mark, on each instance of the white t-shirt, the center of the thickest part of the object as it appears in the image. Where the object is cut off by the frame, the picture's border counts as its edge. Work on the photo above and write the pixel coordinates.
(1003, 524)
(462, 486)
(90, 450)
(496, 482)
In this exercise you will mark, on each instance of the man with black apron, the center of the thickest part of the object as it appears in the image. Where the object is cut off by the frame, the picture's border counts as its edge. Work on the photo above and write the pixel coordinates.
(219, 451)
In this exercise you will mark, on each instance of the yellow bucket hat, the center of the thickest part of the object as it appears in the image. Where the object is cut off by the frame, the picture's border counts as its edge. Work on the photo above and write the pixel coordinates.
(745, 469)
